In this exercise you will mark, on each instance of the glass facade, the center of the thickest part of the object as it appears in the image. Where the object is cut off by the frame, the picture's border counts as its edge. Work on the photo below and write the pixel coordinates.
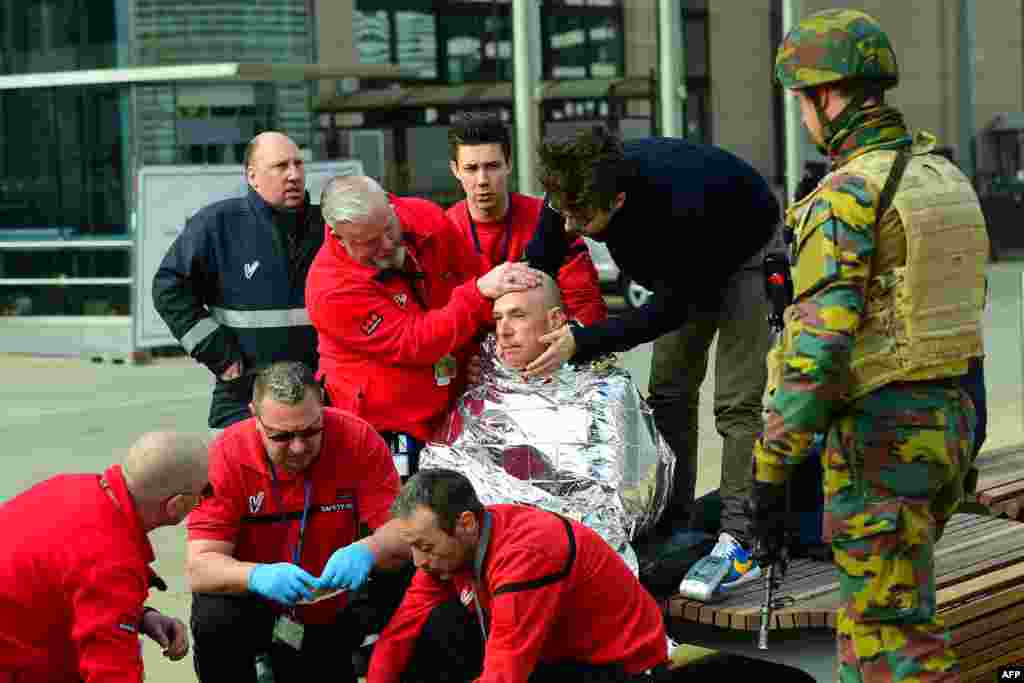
(463, 41)
(62, 160)
(68, 154)
(39, 36)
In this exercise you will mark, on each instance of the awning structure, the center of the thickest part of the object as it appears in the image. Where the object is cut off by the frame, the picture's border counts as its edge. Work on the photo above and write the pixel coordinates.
(224, 71)
(481, 93)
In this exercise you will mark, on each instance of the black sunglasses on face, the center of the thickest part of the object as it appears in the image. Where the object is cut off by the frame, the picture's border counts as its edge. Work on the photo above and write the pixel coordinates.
(288, 437)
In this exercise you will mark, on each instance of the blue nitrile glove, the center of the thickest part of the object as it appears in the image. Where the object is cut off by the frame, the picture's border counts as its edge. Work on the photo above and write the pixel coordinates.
(348, 567)
(282, 582)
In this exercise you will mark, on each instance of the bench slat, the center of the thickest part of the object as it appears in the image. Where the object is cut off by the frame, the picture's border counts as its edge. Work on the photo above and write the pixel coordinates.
(987, 624)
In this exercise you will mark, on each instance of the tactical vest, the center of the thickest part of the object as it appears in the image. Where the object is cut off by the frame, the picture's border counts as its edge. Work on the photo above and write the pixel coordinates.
(924, 302)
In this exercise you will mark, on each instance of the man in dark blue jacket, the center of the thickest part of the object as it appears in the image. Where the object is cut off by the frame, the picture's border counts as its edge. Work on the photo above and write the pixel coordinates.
(232, 286)
(689, 222)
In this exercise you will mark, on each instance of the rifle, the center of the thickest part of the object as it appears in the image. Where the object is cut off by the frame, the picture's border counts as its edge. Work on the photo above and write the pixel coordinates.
(773, 576)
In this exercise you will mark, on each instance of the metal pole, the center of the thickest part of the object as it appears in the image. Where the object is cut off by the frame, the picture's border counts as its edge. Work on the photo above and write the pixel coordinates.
(670, 58)
(967, 64)
(526, 66)
(794, 134)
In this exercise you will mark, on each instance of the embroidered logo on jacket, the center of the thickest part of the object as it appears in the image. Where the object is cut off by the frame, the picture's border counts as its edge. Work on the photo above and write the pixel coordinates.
(467, 596)
(256, 502)
(250, 269)
(401, 299)
(371, 323)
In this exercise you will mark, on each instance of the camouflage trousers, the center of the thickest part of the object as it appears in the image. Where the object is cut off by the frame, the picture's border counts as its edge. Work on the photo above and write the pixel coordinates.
(894, 467)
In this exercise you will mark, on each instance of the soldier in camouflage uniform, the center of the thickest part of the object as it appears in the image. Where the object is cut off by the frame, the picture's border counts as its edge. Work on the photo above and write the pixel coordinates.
(888, 274)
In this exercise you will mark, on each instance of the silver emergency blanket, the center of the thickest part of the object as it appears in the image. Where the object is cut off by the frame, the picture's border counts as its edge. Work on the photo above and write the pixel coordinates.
(581, 443)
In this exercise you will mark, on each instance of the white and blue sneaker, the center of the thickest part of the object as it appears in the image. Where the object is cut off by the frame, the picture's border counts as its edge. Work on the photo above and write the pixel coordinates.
(727, 566)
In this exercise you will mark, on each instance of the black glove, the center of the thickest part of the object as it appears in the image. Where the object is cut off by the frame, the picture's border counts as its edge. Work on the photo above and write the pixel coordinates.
(767, 522)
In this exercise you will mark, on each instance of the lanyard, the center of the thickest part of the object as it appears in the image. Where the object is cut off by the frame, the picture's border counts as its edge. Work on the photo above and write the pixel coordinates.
(506, 238)
(478, 567)
(274, 485)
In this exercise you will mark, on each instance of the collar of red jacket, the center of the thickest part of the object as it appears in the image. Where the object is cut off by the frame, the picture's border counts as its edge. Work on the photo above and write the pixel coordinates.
(115, 480)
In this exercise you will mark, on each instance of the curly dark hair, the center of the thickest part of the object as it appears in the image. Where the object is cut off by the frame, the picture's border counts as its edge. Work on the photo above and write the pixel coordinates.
(584, 172)
(478, 128)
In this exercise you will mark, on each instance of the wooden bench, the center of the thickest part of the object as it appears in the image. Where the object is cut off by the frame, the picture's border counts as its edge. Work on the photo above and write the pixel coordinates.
(1001, 481)
(980, 584)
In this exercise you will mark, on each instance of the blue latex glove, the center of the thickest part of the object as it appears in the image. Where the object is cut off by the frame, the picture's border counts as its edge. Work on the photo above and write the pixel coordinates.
(283, 582)
(348, 567)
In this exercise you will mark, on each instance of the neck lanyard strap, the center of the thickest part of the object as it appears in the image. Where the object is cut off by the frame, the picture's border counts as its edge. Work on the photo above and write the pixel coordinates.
(306, 500)
(478, 568)
(506, 238)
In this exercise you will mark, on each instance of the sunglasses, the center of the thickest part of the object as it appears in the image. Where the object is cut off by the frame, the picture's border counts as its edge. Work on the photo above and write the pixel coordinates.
(288, 437)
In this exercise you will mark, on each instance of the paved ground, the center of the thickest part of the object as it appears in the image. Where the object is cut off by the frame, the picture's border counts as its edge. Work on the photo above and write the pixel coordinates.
(65, 415)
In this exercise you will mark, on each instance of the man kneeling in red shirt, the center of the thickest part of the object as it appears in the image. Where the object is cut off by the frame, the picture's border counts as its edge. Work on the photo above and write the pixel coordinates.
(293, 485)
(510, 593)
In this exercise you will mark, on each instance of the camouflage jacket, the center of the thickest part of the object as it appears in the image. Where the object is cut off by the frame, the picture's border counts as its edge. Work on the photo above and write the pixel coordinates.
(814, 374)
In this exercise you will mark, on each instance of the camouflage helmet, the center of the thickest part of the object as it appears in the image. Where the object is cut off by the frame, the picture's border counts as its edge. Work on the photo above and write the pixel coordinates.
(836, 45)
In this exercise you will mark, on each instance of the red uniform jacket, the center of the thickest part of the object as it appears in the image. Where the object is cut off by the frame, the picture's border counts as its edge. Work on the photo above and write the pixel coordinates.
(74, 573)
(506, 240)
(381, 338)
(354, 478)
(551, 594)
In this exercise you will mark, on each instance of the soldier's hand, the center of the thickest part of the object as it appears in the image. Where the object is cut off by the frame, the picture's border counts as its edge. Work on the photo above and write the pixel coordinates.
(767, 508)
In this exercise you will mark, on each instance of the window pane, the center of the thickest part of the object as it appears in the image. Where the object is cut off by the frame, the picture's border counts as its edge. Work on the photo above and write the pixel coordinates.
(606, 48)
(373, 37)
(567, 41)
(475, 55)
(63, 153)
(417, 42)
(57, 35)
(696, 46)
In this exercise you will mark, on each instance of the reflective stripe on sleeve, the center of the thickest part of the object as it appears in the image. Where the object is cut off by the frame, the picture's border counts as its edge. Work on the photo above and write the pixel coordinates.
(200, 331)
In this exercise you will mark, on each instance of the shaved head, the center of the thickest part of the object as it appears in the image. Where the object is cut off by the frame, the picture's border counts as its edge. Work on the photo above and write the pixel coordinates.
(163, 464)
(522, 318)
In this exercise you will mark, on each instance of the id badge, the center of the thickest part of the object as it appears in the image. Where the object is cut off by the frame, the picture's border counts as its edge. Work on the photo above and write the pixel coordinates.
(444, 370)
(289, 632)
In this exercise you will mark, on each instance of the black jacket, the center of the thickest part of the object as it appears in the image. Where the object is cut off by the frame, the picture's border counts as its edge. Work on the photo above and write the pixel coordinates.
(693, 216)
(228, 291)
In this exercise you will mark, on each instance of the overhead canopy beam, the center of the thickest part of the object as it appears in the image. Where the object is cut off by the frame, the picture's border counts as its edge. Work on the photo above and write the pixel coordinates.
(226, 71)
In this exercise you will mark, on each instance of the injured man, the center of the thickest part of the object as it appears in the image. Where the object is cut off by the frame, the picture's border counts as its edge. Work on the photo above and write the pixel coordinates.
(581, 442)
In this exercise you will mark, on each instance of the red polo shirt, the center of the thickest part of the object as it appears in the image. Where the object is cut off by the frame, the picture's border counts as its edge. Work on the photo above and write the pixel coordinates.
(353, 480)
(74, 573)
(553, 589)
(381, 340)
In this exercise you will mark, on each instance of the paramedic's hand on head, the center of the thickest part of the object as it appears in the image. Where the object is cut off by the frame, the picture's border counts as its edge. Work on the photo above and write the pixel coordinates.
(508, 277)
(282, 582)
(561, 348)
(348, 567)
(169, 633)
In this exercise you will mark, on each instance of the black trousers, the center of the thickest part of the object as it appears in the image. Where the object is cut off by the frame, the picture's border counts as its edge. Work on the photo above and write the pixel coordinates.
(450, 649)
(229, 631)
